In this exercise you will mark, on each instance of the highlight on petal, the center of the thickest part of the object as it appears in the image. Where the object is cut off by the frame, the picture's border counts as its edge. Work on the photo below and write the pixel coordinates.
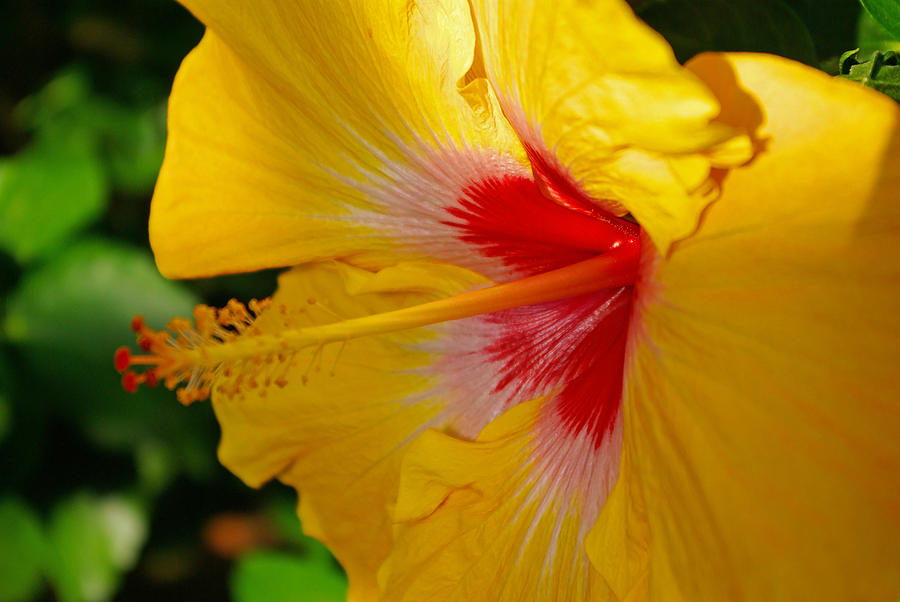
(761, 387)
(237, 190)
(499, 518)
(290, 118)
(337, 429)
(589, 84)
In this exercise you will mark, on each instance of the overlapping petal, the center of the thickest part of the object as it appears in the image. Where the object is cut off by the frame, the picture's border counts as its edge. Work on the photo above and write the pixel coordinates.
(619, 541)
(337, 429)
(760, 399)
(590, 85)
(492, 520)
(289, 120)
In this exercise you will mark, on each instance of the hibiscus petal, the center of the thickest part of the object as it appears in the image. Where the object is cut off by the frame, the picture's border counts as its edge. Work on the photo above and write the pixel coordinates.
(619, 541)
(495, 519)
(336, 431)
(289, 119)
(760, 400)
(590, 84)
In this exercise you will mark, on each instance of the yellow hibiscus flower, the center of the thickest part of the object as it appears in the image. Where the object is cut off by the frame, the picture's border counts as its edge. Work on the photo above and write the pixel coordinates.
(568, 321)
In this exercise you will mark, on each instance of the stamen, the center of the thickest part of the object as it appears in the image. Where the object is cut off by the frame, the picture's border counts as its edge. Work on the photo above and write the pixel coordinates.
(131, 380)
(225, 342)
(337, 357)
(122, 359)
(168, 351)
(315, 363)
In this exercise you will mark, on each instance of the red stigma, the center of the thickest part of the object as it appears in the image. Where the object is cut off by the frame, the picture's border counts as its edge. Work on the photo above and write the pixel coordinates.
(122, 359)
(168, 356)
(130, 382)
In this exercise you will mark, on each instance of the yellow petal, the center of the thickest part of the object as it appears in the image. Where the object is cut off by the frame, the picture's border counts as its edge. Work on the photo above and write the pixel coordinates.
(761, 397)
(486, 520)
(590, 83)
(619, 541)
(290, 119)
(336, 431)
(236, 192)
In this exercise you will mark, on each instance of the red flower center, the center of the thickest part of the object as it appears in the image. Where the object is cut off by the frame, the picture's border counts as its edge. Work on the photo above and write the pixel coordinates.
(573, 349)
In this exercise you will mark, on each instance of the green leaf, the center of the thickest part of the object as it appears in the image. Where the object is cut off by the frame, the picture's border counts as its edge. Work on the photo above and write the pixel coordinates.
(68, 89)
(81, 565)
(881, 72)
(156, 466)
(887, 13)
(83, 300)
(67, 114)
(870, 36)
(68, 317)
(46, 195)
(693, 26)
(21, 552)
(265, 576)
(124, 521)
(58, 184)
(92, 541)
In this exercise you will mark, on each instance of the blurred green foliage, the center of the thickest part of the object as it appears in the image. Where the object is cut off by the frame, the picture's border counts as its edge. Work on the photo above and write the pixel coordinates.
(22, 549)
(106, 495)
(266, 576)
(110, 496)
(880, 71)
(755, 25)
(815, 32)
(876, 60)
(886, 13)
(90, 542)
(871, 37)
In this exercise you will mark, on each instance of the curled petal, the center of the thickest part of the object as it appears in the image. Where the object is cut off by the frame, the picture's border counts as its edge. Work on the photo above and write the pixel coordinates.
(501, 518)
(589, 85)
(760, 396)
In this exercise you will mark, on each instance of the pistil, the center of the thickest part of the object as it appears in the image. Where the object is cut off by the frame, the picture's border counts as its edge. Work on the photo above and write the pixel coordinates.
(194, 355)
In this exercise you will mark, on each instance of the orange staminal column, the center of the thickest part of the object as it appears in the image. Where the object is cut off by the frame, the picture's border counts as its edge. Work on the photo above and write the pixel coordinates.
(192, 355)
